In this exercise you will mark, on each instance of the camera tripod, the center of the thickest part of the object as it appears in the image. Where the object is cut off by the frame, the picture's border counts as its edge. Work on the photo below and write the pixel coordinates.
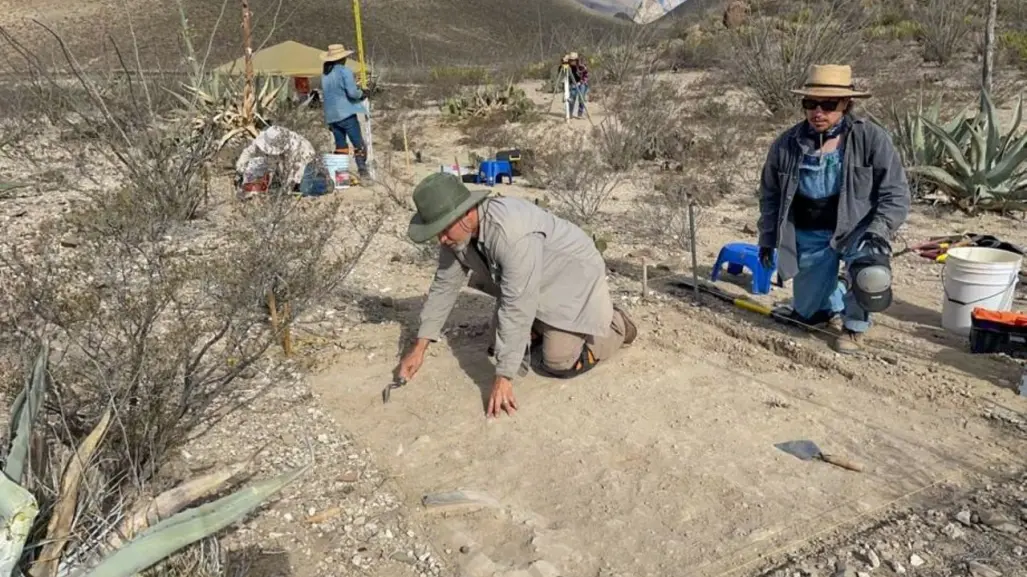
(563, 79)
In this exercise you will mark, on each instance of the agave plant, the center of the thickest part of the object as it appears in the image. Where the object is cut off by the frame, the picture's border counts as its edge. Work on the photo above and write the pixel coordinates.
(990, 172)
(210, 102)
(917, 146)
(19, 508)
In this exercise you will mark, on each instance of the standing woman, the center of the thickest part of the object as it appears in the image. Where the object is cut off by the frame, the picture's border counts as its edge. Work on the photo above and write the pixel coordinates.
(343, 101)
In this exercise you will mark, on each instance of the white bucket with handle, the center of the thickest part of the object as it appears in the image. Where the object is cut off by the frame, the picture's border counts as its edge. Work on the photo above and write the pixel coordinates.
(977, 277)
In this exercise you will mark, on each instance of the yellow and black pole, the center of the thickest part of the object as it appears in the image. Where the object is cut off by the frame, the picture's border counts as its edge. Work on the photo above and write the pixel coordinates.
(360, 43)
(363, 84)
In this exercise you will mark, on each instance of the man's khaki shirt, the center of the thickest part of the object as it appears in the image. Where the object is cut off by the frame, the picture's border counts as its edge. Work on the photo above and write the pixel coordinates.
(545, 267)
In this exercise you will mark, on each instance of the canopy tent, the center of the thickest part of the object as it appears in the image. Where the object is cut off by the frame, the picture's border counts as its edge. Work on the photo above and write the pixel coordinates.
(288, 58)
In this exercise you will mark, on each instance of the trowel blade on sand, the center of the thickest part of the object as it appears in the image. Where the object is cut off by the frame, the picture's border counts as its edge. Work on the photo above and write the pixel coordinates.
(808, 450)
(803, 449)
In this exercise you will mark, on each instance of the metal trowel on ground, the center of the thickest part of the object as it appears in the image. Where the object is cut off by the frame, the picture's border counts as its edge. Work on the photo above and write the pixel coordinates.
(808, 450)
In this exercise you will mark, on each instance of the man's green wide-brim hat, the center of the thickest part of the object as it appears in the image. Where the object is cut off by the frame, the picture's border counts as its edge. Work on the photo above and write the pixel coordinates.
(441, 199)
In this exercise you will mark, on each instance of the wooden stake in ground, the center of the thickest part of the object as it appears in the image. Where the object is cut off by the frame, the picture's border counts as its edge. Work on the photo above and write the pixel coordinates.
(272, 306)
(988, 70)
(248, 91)
(287, 333)
(692, 243)
(406, 146)
(645, 279)
(280, 320)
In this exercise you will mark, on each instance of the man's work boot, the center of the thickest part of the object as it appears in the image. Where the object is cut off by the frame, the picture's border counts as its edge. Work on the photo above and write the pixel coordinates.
(630, 330)
(849, 342)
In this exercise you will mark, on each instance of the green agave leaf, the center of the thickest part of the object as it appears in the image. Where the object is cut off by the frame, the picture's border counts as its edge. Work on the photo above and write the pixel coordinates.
(23, 416)
(181, 530)
(1007, 167)
(991, 147)
(979, 152)
(942, 179)
(18, 510)
(954, 150)
(1017, 118)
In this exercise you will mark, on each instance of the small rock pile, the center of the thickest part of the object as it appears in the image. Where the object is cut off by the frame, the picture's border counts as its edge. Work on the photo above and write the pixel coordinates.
(981, 534)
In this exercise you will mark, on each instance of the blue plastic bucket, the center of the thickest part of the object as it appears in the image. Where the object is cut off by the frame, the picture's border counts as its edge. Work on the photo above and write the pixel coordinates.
(338, 169)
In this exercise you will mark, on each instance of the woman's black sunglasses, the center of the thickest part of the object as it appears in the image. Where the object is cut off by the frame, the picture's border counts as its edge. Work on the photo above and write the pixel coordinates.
(825, 105)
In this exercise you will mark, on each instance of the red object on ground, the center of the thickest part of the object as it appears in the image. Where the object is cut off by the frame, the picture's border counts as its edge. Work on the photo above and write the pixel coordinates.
(302, 85)
(257, 185)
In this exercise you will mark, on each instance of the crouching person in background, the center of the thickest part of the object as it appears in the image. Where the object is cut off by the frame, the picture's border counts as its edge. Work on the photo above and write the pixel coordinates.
(833, 191)
(279, 147)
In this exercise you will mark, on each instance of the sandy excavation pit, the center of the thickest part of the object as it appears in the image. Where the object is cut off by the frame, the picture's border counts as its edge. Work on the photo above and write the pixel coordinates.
(660, 462)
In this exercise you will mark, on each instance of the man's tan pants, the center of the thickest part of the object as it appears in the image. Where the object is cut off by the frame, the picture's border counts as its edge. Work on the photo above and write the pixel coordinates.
(564, 354)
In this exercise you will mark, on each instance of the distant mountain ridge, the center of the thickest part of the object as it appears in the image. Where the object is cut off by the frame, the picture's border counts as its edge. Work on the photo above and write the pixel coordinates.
(642, 11)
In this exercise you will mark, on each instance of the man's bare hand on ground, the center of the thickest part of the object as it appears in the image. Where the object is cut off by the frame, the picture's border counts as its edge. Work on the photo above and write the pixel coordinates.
(502, 398)
(412, 361)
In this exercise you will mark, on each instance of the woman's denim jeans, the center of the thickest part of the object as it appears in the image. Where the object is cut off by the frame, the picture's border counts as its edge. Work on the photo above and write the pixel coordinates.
(349, 128)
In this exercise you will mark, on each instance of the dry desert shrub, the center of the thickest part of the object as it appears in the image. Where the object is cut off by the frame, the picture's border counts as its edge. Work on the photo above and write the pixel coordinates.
(645, 122)
(573, 173)
(772, 55)
(152, 290)
(943, 27)
(710, 173)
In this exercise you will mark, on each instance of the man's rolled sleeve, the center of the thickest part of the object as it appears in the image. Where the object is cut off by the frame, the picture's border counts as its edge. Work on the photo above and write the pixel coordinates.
(521, 266)
(445, 289)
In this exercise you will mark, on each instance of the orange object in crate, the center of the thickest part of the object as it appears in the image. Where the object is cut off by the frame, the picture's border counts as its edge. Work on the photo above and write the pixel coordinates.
(998, 332)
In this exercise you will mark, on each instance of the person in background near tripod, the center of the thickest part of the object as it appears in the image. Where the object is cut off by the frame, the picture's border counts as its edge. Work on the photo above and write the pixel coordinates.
(343, 100)
(579, 82)
(832, 190)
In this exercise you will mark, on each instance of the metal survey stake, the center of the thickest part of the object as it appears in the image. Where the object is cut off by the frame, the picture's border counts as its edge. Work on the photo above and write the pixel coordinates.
(691, 242)
(387, 391)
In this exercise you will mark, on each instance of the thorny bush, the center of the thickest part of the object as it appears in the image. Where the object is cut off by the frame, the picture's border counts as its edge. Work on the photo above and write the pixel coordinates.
(774, 56)
(645, 122)
(575, 176)
(706, 174)
(943, 27)
(149, 309)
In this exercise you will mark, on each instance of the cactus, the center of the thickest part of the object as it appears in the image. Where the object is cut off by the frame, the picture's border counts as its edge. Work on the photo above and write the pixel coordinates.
(19, 508)
(991, 171)
(487, 100)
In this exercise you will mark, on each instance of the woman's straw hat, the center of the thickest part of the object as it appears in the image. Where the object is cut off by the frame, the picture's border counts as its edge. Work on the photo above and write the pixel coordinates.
(830, 81)
(335, 52)
(572, 56)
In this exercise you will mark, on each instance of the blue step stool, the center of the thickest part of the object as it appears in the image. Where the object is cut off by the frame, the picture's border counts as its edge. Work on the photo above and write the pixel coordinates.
(739, 255)
(492, 171)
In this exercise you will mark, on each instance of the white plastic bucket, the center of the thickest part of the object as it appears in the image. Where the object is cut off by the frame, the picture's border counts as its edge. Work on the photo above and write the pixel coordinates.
(338, 169)
(977, 277)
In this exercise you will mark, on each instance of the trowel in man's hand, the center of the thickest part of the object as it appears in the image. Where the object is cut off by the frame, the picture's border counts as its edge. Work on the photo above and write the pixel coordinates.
(808, 450)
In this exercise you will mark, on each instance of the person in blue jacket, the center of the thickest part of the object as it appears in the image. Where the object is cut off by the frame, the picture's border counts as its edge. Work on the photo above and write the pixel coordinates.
(343, 101)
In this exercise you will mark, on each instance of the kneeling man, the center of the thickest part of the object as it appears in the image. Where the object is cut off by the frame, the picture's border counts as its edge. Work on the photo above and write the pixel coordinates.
(547, 276)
